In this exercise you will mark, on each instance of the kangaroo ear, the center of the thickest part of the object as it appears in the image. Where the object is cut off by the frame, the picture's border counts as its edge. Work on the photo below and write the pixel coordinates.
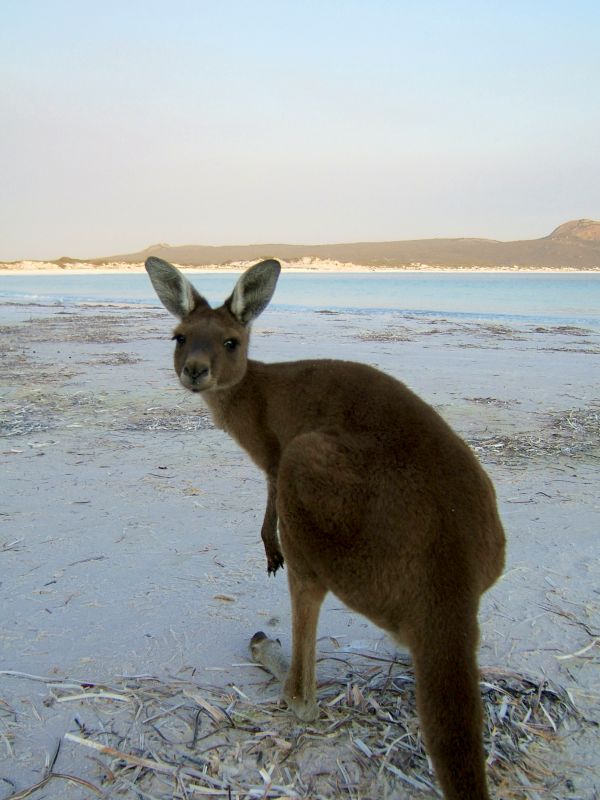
(253, 291)
(174, 290)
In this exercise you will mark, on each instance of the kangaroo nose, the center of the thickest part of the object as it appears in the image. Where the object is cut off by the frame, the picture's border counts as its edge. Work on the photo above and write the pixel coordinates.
(195, 371)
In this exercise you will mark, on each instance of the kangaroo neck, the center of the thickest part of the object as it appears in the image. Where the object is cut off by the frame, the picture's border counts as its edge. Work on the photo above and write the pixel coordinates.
(228, 404)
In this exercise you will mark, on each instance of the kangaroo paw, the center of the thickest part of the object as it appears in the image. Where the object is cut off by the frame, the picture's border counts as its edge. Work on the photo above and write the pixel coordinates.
(274, 561)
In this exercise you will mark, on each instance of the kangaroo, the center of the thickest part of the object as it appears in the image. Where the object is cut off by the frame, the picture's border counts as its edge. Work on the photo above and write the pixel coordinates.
(376, 500)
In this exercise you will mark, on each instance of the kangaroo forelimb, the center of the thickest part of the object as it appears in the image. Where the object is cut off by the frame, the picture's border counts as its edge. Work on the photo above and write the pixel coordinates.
(269, 533)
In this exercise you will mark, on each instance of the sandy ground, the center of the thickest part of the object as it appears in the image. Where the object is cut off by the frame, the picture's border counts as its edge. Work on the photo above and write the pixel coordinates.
(129, 527)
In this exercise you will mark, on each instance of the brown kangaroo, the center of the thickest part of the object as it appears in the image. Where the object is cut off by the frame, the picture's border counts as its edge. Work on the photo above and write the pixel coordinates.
(377, 499)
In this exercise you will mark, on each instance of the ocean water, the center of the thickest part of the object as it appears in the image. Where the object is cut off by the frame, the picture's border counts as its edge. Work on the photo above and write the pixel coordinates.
(535, 298)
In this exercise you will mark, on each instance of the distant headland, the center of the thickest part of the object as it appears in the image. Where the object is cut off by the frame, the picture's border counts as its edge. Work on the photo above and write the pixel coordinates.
(574, 245)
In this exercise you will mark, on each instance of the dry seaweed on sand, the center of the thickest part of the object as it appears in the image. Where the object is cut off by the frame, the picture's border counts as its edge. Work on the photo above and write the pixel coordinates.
(165, 739)
(399, 333)
(90, 325)
(40, 410)
(37, 411)
(157, 418)
(114, 359)
(573, 433)
(564, 330)
(492, 401)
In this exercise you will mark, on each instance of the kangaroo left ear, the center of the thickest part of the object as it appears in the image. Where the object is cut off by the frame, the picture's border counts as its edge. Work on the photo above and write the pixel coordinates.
(174, 290)
(253, 291)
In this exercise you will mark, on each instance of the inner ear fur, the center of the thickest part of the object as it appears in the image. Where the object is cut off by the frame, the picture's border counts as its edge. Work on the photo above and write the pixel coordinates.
(253, 291)
(174, 290)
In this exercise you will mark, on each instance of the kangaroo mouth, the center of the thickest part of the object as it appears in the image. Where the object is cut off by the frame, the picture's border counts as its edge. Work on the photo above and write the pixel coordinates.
(196, 385)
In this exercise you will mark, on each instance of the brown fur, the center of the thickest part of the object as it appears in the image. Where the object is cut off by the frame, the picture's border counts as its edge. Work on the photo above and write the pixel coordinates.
(377, 499)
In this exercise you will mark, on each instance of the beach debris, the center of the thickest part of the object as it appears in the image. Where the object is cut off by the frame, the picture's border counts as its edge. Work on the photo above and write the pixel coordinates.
(176, 738)
(46, 411)
(396, 334)
(573, 433)
(158, 418)
(492, 401)
(114, 359)
(14, 545)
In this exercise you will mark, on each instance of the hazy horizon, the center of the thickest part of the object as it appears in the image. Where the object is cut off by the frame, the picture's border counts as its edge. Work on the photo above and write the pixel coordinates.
(132, 123)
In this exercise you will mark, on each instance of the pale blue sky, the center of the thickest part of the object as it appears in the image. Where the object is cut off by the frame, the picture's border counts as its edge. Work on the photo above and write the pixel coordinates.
(127, 123)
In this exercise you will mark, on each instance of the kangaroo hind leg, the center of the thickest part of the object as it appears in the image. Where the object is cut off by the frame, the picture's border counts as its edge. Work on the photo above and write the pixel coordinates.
(298, 678)
(316, 495)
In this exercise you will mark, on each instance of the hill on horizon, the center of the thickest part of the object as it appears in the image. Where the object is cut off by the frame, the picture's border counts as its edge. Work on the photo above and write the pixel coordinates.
(574, 244)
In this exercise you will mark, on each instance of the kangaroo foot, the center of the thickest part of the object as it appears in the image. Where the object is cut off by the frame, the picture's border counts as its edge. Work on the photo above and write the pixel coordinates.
(305, 709)
(268, 653)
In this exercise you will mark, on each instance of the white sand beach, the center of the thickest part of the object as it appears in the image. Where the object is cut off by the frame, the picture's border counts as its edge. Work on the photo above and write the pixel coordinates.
(130, 557)
(304, 265)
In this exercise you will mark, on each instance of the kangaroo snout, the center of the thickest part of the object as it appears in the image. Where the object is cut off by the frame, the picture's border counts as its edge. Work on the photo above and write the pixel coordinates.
(195, 372)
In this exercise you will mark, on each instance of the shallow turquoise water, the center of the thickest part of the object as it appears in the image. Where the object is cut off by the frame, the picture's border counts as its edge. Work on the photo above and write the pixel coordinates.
(532, 297)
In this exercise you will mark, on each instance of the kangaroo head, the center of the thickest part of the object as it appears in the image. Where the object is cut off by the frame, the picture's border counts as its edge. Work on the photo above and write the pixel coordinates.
(211, 350)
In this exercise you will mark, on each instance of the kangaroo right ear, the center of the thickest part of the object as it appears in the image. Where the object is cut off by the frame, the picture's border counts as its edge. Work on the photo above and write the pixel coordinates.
(253, 291)
(174, 290)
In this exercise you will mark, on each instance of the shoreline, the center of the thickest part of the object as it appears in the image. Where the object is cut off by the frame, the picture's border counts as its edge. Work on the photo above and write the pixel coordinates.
(321, 269)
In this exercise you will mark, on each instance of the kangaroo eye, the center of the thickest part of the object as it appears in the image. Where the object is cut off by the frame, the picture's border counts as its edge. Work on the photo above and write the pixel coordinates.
(179, 338)
(230, 344)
